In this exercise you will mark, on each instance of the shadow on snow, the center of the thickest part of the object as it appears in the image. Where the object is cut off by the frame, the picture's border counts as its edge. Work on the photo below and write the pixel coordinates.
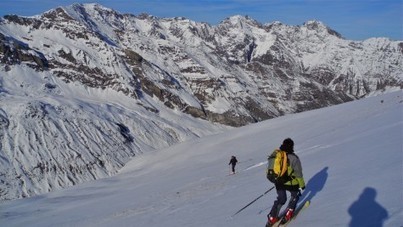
(365, 211)
(315, 185)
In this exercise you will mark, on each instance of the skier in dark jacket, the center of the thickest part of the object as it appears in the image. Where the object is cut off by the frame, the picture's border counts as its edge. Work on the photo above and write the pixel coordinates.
(293, 184)
(233, 162)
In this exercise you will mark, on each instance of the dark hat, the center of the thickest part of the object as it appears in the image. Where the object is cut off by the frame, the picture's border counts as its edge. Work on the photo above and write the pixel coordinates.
(288, 145)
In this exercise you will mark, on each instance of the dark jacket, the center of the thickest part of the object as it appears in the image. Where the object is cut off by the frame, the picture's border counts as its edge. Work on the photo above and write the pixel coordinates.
(233, 161)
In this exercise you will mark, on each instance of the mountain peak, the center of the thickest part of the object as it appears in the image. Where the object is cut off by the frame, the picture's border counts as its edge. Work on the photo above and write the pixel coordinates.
(89, 10)
(314, 24)
(91, 6)
(239, 20)
(320, 27)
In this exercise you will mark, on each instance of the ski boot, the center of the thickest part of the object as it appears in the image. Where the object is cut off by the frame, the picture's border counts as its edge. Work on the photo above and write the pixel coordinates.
(271, 220)
(288, 215)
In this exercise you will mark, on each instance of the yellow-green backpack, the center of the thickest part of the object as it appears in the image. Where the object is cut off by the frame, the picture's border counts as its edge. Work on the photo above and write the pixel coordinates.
(277, 166)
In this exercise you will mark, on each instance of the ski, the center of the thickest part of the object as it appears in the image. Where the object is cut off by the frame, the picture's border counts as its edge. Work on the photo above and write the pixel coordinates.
(276, 224)
(297, 211)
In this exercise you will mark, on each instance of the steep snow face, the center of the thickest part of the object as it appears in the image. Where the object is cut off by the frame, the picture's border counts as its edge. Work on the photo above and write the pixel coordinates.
(351, 156)
(55, 134)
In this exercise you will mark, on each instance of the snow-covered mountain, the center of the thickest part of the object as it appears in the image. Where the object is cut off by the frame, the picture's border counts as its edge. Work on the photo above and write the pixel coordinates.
(352, 163)
(237, 72)
(84, 88)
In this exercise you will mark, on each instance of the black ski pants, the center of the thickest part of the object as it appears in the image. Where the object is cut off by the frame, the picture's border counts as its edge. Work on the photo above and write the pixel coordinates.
(233, 168)
(282, 198)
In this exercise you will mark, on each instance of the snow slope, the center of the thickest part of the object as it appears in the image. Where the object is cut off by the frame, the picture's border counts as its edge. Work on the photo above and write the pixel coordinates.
(55, 134)
(351, 155)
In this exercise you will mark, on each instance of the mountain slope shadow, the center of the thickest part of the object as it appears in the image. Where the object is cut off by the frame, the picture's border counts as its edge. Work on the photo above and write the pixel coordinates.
(366, 211)
(315, 185)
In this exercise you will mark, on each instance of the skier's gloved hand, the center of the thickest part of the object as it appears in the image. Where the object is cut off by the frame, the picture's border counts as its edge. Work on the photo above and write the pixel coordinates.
(300, 190)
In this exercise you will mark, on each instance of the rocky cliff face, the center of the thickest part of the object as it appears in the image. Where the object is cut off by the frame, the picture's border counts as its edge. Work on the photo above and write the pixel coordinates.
(235, 73)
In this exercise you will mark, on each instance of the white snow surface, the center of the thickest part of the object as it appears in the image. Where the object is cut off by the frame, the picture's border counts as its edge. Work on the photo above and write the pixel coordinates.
(352, 164)
(50, 130)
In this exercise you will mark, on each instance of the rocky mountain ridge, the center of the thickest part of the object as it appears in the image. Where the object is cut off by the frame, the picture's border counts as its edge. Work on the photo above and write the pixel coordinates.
(85, 88)
(255, 67)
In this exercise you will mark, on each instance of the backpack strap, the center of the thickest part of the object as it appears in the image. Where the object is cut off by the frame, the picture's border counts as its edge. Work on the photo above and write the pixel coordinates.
(284, 165)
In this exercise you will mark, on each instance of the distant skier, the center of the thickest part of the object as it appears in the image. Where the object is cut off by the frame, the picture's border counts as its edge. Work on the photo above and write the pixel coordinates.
(233, 162)
(292, 182)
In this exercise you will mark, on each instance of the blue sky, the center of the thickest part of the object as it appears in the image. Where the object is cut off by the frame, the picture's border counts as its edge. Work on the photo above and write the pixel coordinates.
(353, 19)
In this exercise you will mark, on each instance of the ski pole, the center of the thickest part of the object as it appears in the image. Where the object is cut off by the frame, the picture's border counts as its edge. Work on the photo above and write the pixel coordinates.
(253, 201)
